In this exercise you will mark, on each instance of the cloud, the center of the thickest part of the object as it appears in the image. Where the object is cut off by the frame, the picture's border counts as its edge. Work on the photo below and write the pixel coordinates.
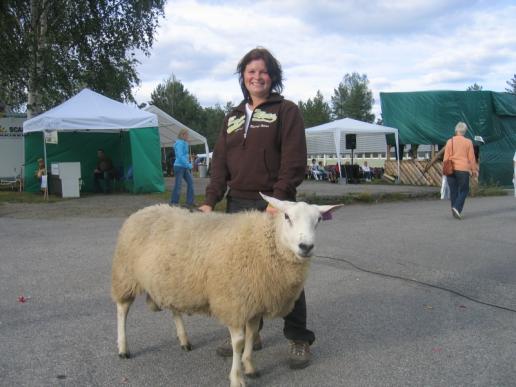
(400, 45)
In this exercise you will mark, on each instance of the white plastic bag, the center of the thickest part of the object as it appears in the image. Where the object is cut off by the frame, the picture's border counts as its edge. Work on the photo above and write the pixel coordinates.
(445, 189)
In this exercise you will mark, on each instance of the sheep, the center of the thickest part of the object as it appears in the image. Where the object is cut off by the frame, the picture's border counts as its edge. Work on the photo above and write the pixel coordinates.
(237, 268)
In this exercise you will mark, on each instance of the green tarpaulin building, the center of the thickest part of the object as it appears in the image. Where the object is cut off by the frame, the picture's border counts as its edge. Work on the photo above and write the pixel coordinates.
(429, 117)
(89, 121)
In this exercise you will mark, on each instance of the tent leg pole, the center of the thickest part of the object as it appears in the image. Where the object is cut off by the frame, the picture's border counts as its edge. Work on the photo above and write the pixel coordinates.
(45, 191)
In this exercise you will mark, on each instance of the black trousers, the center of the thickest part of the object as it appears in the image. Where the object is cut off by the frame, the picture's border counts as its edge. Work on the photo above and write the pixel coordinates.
(295, 322)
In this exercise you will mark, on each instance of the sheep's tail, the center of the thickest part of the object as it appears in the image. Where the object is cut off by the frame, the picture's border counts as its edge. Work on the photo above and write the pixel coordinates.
(152, 305)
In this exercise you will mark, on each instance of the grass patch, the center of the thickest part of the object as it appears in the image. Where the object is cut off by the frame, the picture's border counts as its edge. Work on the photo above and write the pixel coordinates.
(490, 190)
(365, 198)
(25, 197)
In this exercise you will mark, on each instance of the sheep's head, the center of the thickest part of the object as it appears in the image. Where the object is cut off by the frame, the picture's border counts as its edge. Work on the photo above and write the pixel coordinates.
(298, 222)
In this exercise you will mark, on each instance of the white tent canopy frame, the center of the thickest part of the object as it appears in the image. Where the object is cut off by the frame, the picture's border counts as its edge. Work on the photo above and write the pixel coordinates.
(336, 128)
(88, 111)
(169, 129)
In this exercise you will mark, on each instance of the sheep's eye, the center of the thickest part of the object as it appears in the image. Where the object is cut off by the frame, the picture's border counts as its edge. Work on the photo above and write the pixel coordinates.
(287, 218)
(319, 219)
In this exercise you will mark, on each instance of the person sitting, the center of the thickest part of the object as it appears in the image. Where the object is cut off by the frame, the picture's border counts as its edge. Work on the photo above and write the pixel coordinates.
(367, 171)
(314, 169)
(322, 171)
(104, 171)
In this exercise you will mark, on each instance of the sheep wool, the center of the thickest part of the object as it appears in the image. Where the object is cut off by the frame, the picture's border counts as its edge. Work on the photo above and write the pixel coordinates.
(233, 267)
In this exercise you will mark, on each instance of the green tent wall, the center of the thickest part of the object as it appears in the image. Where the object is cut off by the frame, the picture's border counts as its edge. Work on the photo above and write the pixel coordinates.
(136, 148)
(429, 117)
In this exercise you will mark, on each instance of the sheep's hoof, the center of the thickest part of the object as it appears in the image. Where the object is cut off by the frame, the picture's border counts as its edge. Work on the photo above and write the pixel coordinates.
(253, 375)
(187, 347)
(124, 355)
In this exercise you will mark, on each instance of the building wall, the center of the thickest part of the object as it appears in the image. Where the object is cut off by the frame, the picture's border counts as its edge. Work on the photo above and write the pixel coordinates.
(12, 150)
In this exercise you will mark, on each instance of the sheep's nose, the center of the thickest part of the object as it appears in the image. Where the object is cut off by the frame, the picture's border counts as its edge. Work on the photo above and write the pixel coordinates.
(305, 248)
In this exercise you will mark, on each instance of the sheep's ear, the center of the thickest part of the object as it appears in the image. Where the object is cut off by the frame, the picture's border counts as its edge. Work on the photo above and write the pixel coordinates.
(327, 210)
(276, 203)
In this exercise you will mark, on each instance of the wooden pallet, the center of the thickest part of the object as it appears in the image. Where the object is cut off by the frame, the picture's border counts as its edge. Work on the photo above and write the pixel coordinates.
(413, 172)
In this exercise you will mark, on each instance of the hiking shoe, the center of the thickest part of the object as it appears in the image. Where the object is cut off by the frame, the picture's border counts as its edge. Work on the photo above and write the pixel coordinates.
(456, 213)
(226, 349)
(299, 354)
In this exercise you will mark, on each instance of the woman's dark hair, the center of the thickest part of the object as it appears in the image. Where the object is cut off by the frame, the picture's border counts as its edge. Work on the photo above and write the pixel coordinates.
(273, 68)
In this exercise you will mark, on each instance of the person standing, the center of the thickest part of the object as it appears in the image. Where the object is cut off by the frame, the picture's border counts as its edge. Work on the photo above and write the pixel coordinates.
(262, 148)
(459, 150)
(103, 171)
(182, 170)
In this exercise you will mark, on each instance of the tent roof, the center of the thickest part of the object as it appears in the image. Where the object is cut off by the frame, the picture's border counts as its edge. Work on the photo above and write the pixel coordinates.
(91, 111)
(349, 125)
(169, 128)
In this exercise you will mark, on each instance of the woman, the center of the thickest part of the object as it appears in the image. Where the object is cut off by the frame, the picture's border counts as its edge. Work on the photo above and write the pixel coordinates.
(182, 170)
(262, 148)
(459, 150)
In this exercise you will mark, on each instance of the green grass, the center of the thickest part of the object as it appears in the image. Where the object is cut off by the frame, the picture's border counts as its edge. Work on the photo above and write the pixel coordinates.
(490, 190)
(25, 197)
(364, 198)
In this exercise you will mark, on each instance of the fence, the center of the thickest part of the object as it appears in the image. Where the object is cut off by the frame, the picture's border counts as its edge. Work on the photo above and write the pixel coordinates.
(413, 172)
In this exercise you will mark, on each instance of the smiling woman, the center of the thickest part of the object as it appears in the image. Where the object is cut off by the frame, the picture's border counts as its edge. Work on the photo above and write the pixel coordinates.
(262, 149)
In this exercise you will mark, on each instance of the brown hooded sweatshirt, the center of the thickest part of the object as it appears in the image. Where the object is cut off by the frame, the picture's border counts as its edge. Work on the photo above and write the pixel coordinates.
(270, 159)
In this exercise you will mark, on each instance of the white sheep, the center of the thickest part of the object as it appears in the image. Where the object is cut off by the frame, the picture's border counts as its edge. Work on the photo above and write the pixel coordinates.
(238, 268)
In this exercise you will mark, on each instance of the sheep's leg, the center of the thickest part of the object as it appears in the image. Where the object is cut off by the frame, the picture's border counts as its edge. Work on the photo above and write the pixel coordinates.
(122, 308)
(181, 332)
(237, 342)
(251, 329)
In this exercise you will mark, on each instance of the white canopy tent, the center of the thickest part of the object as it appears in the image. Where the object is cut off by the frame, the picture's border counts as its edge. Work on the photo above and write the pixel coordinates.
(169, 128)
(90, 111)
(329, 136)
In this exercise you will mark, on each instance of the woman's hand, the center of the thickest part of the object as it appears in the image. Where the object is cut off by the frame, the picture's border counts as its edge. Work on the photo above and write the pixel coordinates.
(205, 208)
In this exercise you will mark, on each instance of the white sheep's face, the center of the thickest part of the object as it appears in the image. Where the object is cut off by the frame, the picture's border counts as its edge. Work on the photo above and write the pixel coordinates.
(298, 223)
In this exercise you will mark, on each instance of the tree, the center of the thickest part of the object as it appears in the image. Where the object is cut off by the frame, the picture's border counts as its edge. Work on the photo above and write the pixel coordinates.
(316, 111)
(512, 84)
(213, 118)
(353, 98)
(173, 98)
(474, 87)
(50, 49)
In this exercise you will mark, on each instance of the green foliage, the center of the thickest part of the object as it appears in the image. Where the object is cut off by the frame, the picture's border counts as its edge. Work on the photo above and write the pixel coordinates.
(353, 98)
(174, 99)
(212, 123)
(512, 85)
(50, 49)
(316, 111)
(474, 87)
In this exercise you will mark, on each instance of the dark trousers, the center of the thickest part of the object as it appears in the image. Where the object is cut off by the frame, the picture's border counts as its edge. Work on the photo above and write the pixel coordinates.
(107, 177)
(459, 189)
(295, 322)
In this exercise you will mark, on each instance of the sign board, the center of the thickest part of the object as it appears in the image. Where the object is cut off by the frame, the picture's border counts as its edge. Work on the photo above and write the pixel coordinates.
(11, 124)
(51, 137)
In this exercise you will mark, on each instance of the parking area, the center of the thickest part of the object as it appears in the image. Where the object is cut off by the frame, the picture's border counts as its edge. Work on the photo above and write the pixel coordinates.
(400, 294)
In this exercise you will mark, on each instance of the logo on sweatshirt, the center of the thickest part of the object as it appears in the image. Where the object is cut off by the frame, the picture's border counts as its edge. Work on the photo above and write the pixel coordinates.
(235, 123)
(261, 116)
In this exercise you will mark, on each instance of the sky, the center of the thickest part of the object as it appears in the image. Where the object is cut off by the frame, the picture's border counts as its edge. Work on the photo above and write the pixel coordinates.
(401, 45)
